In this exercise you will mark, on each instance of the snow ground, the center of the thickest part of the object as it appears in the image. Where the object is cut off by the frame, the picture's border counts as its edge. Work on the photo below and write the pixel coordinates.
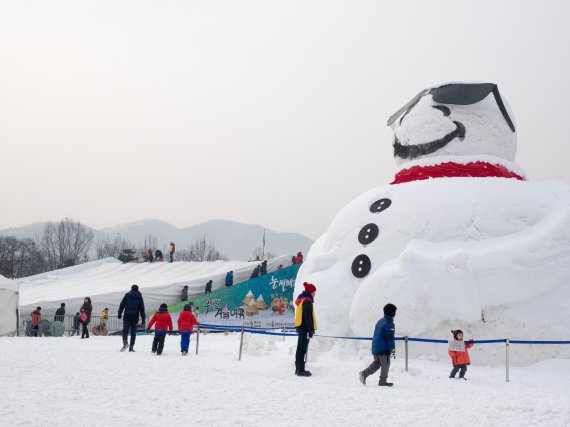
(69, 381)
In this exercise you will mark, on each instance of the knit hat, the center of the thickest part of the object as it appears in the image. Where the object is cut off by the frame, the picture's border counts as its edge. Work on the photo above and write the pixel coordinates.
(134, 288)
(309, 287)
(390, 310)
(163, 305)
(186, 307)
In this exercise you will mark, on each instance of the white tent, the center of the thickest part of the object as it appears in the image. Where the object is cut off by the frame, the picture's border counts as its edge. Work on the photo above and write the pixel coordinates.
(8, 307)
(106, 281)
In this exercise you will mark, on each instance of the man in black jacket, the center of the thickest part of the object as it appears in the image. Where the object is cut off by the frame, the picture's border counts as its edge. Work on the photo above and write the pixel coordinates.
(305, 324)
(133, 305)
(60, 313)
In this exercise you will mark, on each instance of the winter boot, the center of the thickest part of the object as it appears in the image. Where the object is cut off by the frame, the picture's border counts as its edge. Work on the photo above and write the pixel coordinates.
(383, 383)
(125, 345)
(300, 371)
(362, 377)
(131, 348)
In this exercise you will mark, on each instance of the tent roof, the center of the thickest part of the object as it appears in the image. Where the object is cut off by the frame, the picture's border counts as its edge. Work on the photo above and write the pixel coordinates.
(11, 285)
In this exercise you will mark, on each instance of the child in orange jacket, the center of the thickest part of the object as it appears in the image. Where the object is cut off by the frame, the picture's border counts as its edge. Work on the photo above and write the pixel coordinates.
(460, 359)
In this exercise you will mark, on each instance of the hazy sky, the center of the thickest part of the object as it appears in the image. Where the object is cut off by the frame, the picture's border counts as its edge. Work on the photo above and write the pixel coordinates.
(263, 112)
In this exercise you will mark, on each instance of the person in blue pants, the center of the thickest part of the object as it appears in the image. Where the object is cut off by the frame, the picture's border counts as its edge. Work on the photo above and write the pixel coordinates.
(186, 323)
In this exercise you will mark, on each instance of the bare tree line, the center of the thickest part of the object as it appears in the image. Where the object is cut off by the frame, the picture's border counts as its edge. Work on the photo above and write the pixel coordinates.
(67, 243)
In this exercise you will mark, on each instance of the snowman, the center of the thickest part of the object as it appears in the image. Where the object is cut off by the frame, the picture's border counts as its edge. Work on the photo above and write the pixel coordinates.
(460, 237)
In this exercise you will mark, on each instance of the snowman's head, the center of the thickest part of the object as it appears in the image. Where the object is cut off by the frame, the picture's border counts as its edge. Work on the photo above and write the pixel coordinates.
(454, 119)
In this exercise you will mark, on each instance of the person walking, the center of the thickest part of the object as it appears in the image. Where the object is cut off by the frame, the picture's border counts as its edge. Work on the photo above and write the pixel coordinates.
(163, 322)
(264, 267)
(383, 344)
(87, 308)
(133, 306)
(36, 317)
(60, 313)
(171, 250)
(186, 323)
(305, 325)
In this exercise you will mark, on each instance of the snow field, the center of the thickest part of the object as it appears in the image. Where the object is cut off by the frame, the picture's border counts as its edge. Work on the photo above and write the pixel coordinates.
(69, 381)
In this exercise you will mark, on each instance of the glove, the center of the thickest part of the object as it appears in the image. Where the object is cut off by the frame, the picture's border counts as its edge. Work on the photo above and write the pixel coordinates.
(169, 332)
(393, 353)
(311, 335)
(142, 325)
(119, 316)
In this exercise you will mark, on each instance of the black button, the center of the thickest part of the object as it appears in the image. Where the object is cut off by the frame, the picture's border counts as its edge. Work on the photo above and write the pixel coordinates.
(361, 266)
(368, 234)
(379, 205)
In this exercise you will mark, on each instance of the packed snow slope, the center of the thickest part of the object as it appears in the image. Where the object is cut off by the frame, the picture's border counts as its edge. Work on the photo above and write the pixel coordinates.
(106, 282)
(69, 381)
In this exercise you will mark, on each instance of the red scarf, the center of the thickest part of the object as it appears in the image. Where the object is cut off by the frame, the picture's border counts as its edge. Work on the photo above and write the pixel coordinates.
(453, 170)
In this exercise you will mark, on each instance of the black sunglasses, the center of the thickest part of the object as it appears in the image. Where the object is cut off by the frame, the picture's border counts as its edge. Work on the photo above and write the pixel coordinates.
(457, 94)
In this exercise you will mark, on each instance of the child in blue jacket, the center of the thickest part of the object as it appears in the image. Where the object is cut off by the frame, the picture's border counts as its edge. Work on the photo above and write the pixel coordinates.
(383, 345)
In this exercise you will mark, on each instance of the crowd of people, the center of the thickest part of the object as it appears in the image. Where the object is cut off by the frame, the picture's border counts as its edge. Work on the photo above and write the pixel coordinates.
(157, 256)
(81, 319)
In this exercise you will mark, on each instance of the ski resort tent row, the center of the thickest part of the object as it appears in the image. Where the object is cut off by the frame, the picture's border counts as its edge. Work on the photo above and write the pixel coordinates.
(8, 307)
(106, 282)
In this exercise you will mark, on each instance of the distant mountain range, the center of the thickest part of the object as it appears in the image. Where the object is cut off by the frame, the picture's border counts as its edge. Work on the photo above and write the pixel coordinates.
(235, 240)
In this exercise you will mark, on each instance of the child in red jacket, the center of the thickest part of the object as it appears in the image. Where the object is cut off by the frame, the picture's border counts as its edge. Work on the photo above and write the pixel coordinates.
(186, 323)
(460, 359)
(163, 321)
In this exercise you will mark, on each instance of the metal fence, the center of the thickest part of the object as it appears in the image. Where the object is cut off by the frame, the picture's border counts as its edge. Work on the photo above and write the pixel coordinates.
(52, 325)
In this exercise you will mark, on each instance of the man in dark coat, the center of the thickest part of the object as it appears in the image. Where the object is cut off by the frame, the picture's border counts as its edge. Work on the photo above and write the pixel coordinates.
(133, 306)
(383, 345)
(60, 313)
(264, 267)
(305, 324)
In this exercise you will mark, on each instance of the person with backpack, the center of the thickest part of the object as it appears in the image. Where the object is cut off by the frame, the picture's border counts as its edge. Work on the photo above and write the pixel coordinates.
(133, 306)
(163, 322)
(383, 345)
(86, 309)
(305, 325)
(171, 250)
(186, 323)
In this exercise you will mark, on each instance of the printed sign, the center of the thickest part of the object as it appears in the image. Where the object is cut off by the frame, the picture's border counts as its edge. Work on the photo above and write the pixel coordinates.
(263, 302)
(455, 345)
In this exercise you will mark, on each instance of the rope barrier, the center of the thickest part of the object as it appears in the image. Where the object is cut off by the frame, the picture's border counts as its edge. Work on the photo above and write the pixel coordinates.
(268, 331)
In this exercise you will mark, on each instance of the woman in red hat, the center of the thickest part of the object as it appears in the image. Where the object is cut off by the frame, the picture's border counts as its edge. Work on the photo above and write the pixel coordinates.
(305, 324)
